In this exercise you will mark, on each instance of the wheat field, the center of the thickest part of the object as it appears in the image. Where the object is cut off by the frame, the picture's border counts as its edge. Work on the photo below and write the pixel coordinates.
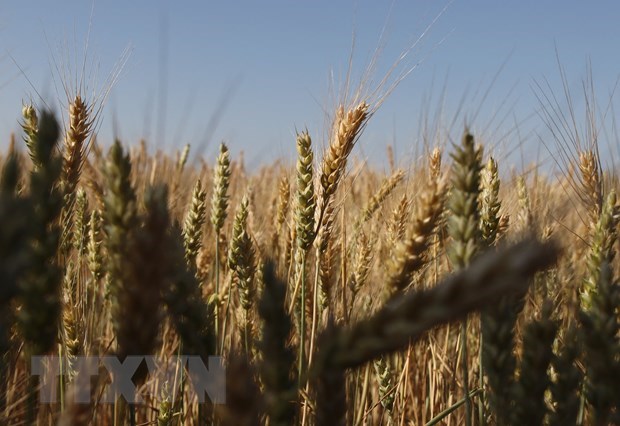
(447, 291)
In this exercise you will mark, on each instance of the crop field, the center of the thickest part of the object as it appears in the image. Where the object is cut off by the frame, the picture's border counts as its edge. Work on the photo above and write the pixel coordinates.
(450, 289)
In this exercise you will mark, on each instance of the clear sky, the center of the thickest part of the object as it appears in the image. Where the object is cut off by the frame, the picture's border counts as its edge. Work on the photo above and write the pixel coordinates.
(261, 69)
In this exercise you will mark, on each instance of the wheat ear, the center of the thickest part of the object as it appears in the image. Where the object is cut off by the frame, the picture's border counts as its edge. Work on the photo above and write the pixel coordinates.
(40, 288)
(434, 164)
(489, 203)
(409, 253)
(75, 150)
(600, 296)
(565, 388)
(219, 206)
(529, 390)
(304, 224)
(591, 182)
(30, 126)
(121, 221)
(241, 260)
(347, 128)
(604, 236)
(194, 222)
(463, 226)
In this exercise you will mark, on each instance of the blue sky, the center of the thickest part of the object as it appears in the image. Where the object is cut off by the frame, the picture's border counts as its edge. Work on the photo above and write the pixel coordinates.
(264, 67)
